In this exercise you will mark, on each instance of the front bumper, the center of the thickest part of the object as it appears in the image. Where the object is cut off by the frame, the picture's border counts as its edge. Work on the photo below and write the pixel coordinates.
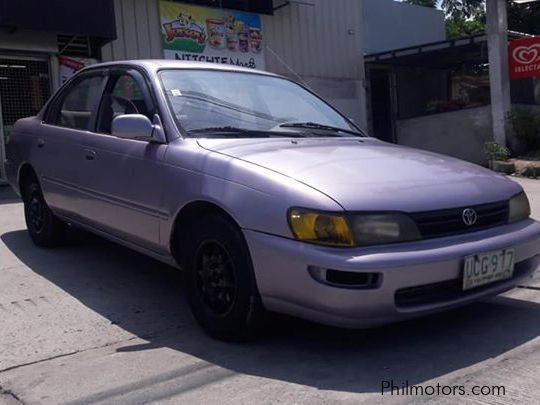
(281, 270)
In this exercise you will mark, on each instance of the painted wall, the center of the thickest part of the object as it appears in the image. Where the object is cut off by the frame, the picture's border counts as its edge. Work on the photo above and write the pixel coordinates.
(319, 43)
(389, 25)
(322, 40)
(137, 30)
(461, 134)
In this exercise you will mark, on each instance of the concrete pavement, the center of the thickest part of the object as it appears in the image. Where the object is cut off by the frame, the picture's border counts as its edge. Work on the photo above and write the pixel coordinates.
(93, 322)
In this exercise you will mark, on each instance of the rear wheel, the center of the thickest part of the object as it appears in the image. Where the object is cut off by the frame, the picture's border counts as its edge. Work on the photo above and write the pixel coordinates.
(45, 229)
(221, 284)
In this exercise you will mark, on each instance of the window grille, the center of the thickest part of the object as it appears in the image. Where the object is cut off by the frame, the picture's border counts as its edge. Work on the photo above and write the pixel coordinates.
(24, 89)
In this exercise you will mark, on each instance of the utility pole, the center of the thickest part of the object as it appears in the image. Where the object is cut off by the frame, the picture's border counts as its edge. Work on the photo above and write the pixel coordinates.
(497, 29)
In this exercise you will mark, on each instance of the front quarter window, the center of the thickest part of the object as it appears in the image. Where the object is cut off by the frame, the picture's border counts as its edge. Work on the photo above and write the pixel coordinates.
(202, 99)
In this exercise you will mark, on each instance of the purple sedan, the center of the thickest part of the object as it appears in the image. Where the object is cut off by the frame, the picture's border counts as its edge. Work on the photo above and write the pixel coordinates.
(267, 197)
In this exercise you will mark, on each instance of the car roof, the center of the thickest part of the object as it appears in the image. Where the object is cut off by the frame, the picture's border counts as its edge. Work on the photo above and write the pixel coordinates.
(153, 65)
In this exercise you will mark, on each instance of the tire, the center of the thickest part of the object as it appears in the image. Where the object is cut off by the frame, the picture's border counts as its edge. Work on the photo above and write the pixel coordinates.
(222, 291)
(45, 229)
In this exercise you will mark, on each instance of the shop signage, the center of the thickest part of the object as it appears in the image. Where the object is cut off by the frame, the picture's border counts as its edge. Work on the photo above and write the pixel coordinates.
(71, 65)
(203, 34)
(524, 58)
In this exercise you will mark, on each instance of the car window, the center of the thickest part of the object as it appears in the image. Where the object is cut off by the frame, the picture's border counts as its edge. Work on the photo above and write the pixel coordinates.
(123, 95)
(76, 108)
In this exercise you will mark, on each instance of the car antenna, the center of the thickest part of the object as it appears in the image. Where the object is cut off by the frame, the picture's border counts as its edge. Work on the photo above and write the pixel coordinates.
(300, 79)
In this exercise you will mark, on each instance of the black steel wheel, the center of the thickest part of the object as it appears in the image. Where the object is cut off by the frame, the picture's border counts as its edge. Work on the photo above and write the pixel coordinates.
(45, 229)
(222, 290)
(215, 277)
(36, 212)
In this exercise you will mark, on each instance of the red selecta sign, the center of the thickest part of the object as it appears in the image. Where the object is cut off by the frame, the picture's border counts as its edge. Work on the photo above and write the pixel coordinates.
(524, 58)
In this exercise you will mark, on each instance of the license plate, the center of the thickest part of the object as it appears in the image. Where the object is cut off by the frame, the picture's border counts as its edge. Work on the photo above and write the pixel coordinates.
(486, 268)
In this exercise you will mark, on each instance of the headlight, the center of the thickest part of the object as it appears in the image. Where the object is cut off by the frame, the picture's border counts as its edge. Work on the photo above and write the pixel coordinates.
(519, 208)
(351, 230)
(384, 228)
(318, 227)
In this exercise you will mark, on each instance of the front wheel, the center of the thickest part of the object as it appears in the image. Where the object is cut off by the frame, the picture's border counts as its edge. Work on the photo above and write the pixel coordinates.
(45, 229)
(221, 285)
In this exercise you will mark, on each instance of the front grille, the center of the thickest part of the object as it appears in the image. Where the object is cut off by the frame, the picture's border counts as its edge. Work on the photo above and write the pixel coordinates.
(433, 224)
(450, 290)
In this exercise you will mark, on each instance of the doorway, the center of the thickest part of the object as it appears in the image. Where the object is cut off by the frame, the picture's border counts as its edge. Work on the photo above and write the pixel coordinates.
(382, 110)
(25, 86)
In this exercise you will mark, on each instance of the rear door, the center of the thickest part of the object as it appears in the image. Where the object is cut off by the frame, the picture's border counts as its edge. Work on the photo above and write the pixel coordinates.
(58, 142)
(121, 177)
(24, 88)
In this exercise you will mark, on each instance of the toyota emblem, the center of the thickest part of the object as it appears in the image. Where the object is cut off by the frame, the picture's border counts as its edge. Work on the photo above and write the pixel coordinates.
(469, 216)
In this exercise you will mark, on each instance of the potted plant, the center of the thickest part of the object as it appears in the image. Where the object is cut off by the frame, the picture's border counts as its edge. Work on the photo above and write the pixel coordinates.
(498, 156)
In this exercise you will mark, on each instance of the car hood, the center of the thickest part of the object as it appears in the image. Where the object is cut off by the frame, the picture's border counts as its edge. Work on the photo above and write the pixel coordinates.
(368, 174)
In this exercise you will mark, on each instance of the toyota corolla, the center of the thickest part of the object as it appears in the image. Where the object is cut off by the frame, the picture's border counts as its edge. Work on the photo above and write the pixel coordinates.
(267, 197)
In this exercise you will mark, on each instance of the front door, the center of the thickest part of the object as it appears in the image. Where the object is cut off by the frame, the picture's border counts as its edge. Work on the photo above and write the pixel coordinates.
(122, 177)
(24, 89)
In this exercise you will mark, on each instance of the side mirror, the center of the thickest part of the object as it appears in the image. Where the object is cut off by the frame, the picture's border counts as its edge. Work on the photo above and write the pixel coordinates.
(139, 127)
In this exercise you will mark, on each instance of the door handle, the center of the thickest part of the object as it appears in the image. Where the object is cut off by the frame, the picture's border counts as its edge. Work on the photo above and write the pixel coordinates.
(89, 154)
(40, 143)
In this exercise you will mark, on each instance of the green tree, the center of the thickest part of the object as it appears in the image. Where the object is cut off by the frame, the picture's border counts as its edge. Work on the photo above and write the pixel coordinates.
(464, 9)
(467, 17)
(457, 27)
(463, 17)
(424, 3)
(453, 8)
(524, 18)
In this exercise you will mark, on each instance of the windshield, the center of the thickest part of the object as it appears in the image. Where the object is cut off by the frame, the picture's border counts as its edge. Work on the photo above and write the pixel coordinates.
(205, 101)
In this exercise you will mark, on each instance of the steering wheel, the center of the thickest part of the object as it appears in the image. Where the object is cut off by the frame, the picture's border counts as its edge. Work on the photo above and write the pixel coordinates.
(128, 105)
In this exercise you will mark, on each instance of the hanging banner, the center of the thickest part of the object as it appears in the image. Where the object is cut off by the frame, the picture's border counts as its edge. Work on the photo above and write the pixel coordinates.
(524, 58)
(71, 65)
(203, 34)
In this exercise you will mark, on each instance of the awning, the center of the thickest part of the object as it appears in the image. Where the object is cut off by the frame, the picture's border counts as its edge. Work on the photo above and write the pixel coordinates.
(92, 18)
(252, 6)
(453, 52)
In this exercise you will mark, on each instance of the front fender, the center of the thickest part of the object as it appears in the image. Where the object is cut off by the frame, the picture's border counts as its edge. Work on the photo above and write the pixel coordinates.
(255, 197)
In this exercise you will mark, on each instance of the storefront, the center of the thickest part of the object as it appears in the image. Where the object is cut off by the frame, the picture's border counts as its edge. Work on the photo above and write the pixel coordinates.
(42, 43)
(437, 96)
(316, 42)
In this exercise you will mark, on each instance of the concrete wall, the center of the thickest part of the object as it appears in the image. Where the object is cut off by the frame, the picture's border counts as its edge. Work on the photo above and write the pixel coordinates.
(389, 25)
(461, 134)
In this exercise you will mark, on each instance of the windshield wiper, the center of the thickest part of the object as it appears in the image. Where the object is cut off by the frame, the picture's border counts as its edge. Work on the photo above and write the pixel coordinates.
(224, 130)
(235, 132)
(227, 131)
(314, 125)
